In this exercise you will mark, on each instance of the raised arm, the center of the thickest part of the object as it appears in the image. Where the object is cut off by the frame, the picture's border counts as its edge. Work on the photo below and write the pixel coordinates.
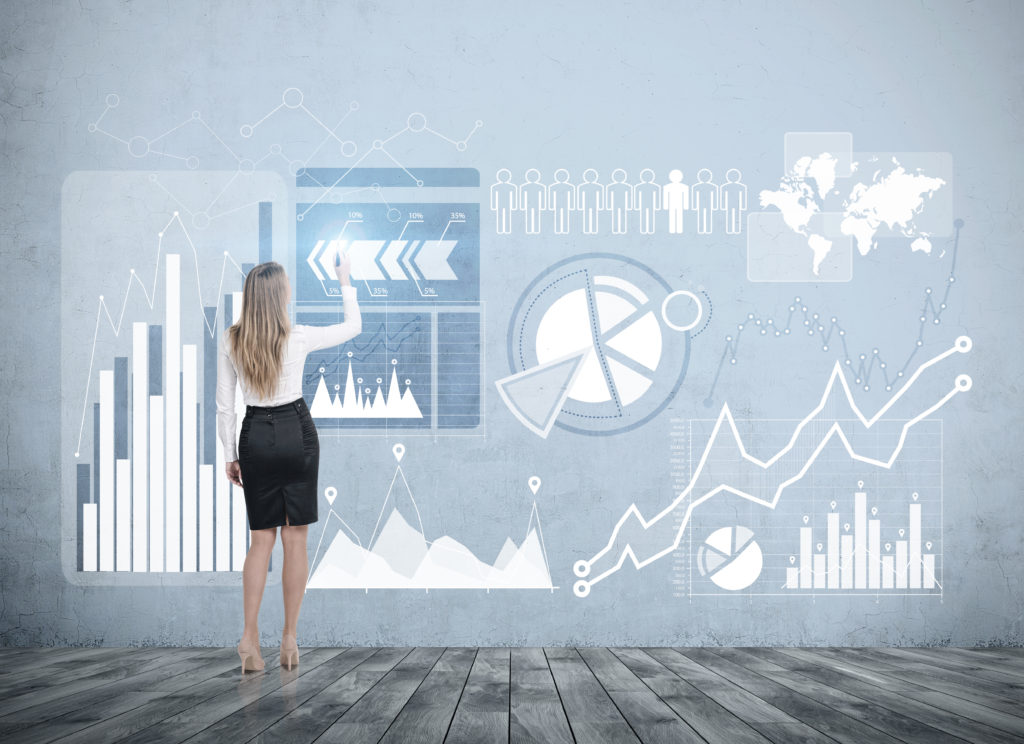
(322, 337)
(226, 380)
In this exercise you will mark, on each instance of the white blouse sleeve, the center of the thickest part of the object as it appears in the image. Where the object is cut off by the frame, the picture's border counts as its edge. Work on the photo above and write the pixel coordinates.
(322, 337)
(226, 380)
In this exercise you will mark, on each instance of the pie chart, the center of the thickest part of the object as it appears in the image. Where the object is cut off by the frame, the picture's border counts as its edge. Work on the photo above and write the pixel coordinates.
(731, 558)
(598, 344)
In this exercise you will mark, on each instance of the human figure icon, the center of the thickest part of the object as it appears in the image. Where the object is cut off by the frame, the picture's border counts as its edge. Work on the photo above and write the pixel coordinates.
(647, 200)
(532, 200)
(705, 201)
(618, 199)
(734, 201)
(590, 200)
(504, 200)
(675, 198)
(561, 200)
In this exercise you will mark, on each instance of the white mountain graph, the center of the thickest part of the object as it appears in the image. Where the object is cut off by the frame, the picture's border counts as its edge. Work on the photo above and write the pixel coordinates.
(351, 403)
(399, 556)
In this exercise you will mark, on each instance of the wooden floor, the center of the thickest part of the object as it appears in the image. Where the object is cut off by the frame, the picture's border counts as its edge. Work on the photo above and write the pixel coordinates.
(587, 695)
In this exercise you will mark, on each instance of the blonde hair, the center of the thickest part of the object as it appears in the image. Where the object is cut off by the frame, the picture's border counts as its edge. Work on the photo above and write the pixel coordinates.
(258, 338)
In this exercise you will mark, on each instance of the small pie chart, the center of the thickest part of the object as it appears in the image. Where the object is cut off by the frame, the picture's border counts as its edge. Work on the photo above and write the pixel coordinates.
(731, 558)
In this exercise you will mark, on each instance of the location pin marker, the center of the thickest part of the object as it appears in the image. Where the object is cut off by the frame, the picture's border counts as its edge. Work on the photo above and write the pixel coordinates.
(901, 532)
(806, 519)
(874, 511)
(820, 546)
(846, 526)
(399, 450)
(860, 484)
(331, 493)
(888, 546)
(792, 559)
(928, 545)
(534, 484)
(914, 496)
(832, 504)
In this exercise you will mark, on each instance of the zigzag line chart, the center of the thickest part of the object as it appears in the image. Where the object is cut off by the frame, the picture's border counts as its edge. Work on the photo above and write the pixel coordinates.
(828, 332)
(773, 475)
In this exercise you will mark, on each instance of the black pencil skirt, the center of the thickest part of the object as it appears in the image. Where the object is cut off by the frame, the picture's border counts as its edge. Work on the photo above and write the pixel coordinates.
(279, 456)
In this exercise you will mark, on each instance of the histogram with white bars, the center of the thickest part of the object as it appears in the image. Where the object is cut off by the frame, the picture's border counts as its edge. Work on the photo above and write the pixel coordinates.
(150, 494)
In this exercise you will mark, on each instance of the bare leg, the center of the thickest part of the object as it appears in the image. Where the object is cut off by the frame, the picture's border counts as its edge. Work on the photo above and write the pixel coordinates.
(254, 578)
(293, 573)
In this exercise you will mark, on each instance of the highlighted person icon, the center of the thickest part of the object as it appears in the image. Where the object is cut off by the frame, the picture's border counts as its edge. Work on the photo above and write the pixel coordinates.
(532, 200)
(675, 198)
(561, 200)
(618, 198)
(590, 200)
(647, 200)
(705, 201)
(734, 202)
(504, 200)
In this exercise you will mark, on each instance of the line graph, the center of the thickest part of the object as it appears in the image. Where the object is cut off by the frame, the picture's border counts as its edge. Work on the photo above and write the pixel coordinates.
(829, 332)
(619, 548)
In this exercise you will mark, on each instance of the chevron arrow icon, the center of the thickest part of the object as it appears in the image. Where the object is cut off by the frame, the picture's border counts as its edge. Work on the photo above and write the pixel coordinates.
(432, 260)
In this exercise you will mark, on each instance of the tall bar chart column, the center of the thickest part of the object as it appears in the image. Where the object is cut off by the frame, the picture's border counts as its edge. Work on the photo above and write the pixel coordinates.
(832, 546)
(915, 567)
(189, 457)
(106, 495)
(140, 446)
(172, 415)
(860, 537)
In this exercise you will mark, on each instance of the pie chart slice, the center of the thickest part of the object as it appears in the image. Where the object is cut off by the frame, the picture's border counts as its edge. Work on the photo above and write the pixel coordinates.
(535, 396)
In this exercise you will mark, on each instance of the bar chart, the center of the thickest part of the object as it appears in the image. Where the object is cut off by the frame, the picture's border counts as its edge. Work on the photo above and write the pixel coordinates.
(144, 462)
(853, 556)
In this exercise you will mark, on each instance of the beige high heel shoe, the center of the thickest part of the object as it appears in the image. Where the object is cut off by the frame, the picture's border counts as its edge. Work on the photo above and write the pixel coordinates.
(289, 651)
(249, 653)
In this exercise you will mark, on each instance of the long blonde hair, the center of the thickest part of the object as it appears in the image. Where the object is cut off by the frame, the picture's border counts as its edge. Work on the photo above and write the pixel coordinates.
(258, 338)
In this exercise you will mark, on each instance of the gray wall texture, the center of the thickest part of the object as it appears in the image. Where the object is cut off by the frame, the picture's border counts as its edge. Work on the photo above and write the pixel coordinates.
(628, 85)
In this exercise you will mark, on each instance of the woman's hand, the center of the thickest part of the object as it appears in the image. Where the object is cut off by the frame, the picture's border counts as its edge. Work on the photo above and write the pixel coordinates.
(234, 472)
(342, 267)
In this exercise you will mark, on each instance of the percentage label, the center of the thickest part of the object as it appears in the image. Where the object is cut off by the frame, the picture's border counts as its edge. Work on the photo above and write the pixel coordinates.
(355, 215)
(458, 215)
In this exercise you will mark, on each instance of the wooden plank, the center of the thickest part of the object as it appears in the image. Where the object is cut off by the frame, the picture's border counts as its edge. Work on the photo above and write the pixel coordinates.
(482, 716)
(648, 715)
(216, 697)
(941, 657)
(707, 717)
(592, 715)
(860, 721)
(895, 695)
(368, 719)
(28, 663)
(536, 715)
(429, 712)
(306, 723)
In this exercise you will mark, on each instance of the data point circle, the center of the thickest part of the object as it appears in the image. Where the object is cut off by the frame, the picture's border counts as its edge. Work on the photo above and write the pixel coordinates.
(113, 100)
(964, 344)
(687, 326)
(581, 568)
(348, 148)
(292, 98)
(417, 122)
(581, 588)
(247, 166)
(963, 383)
(378, 144)
(191, 162)
(201, 220)
(394, 215)
(460, 146)
(138, 146)
(245, 130)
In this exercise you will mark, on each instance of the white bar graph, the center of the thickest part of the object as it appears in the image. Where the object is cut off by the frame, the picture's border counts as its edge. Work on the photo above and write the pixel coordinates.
(89, 537)
(189, 457)
(172, 403)
(792, 577)
(846, 562)
(860, 536)
(206, 517)
(929, 571)
(222, 505)
(833, 550)
(123, 470)
(874, 554)
(156, 483)
(888, 572)
(901, 564)
(819, 571)
(915, 547)
(106, 495)
(140, 454)
(239, 529)
(805, 557)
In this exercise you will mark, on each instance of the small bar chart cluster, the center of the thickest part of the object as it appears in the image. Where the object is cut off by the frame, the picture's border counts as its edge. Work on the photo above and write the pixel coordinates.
(853, 556)
(163, 502)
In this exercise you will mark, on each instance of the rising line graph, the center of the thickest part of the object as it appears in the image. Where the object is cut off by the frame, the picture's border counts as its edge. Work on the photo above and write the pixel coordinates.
(583, 568)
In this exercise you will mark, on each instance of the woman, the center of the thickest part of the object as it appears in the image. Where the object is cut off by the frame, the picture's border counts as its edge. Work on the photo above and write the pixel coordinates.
(278, 452)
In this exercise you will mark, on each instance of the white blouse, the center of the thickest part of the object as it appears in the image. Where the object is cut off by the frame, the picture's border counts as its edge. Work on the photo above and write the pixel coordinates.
(301, 340)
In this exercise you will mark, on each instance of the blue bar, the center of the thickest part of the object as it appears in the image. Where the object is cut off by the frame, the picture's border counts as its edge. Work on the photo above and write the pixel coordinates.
(325, 177)
(96, 448)
(228, 312)
(121, 408)
(247, 267)
(266, 232)
(208, 416)
(156, 360)
(82, 473)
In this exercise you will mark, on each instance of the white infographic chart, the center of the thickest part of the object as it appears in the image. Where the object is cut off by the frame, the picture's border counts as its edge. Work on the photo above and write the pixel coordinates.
(598, 344)
(398, 554)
